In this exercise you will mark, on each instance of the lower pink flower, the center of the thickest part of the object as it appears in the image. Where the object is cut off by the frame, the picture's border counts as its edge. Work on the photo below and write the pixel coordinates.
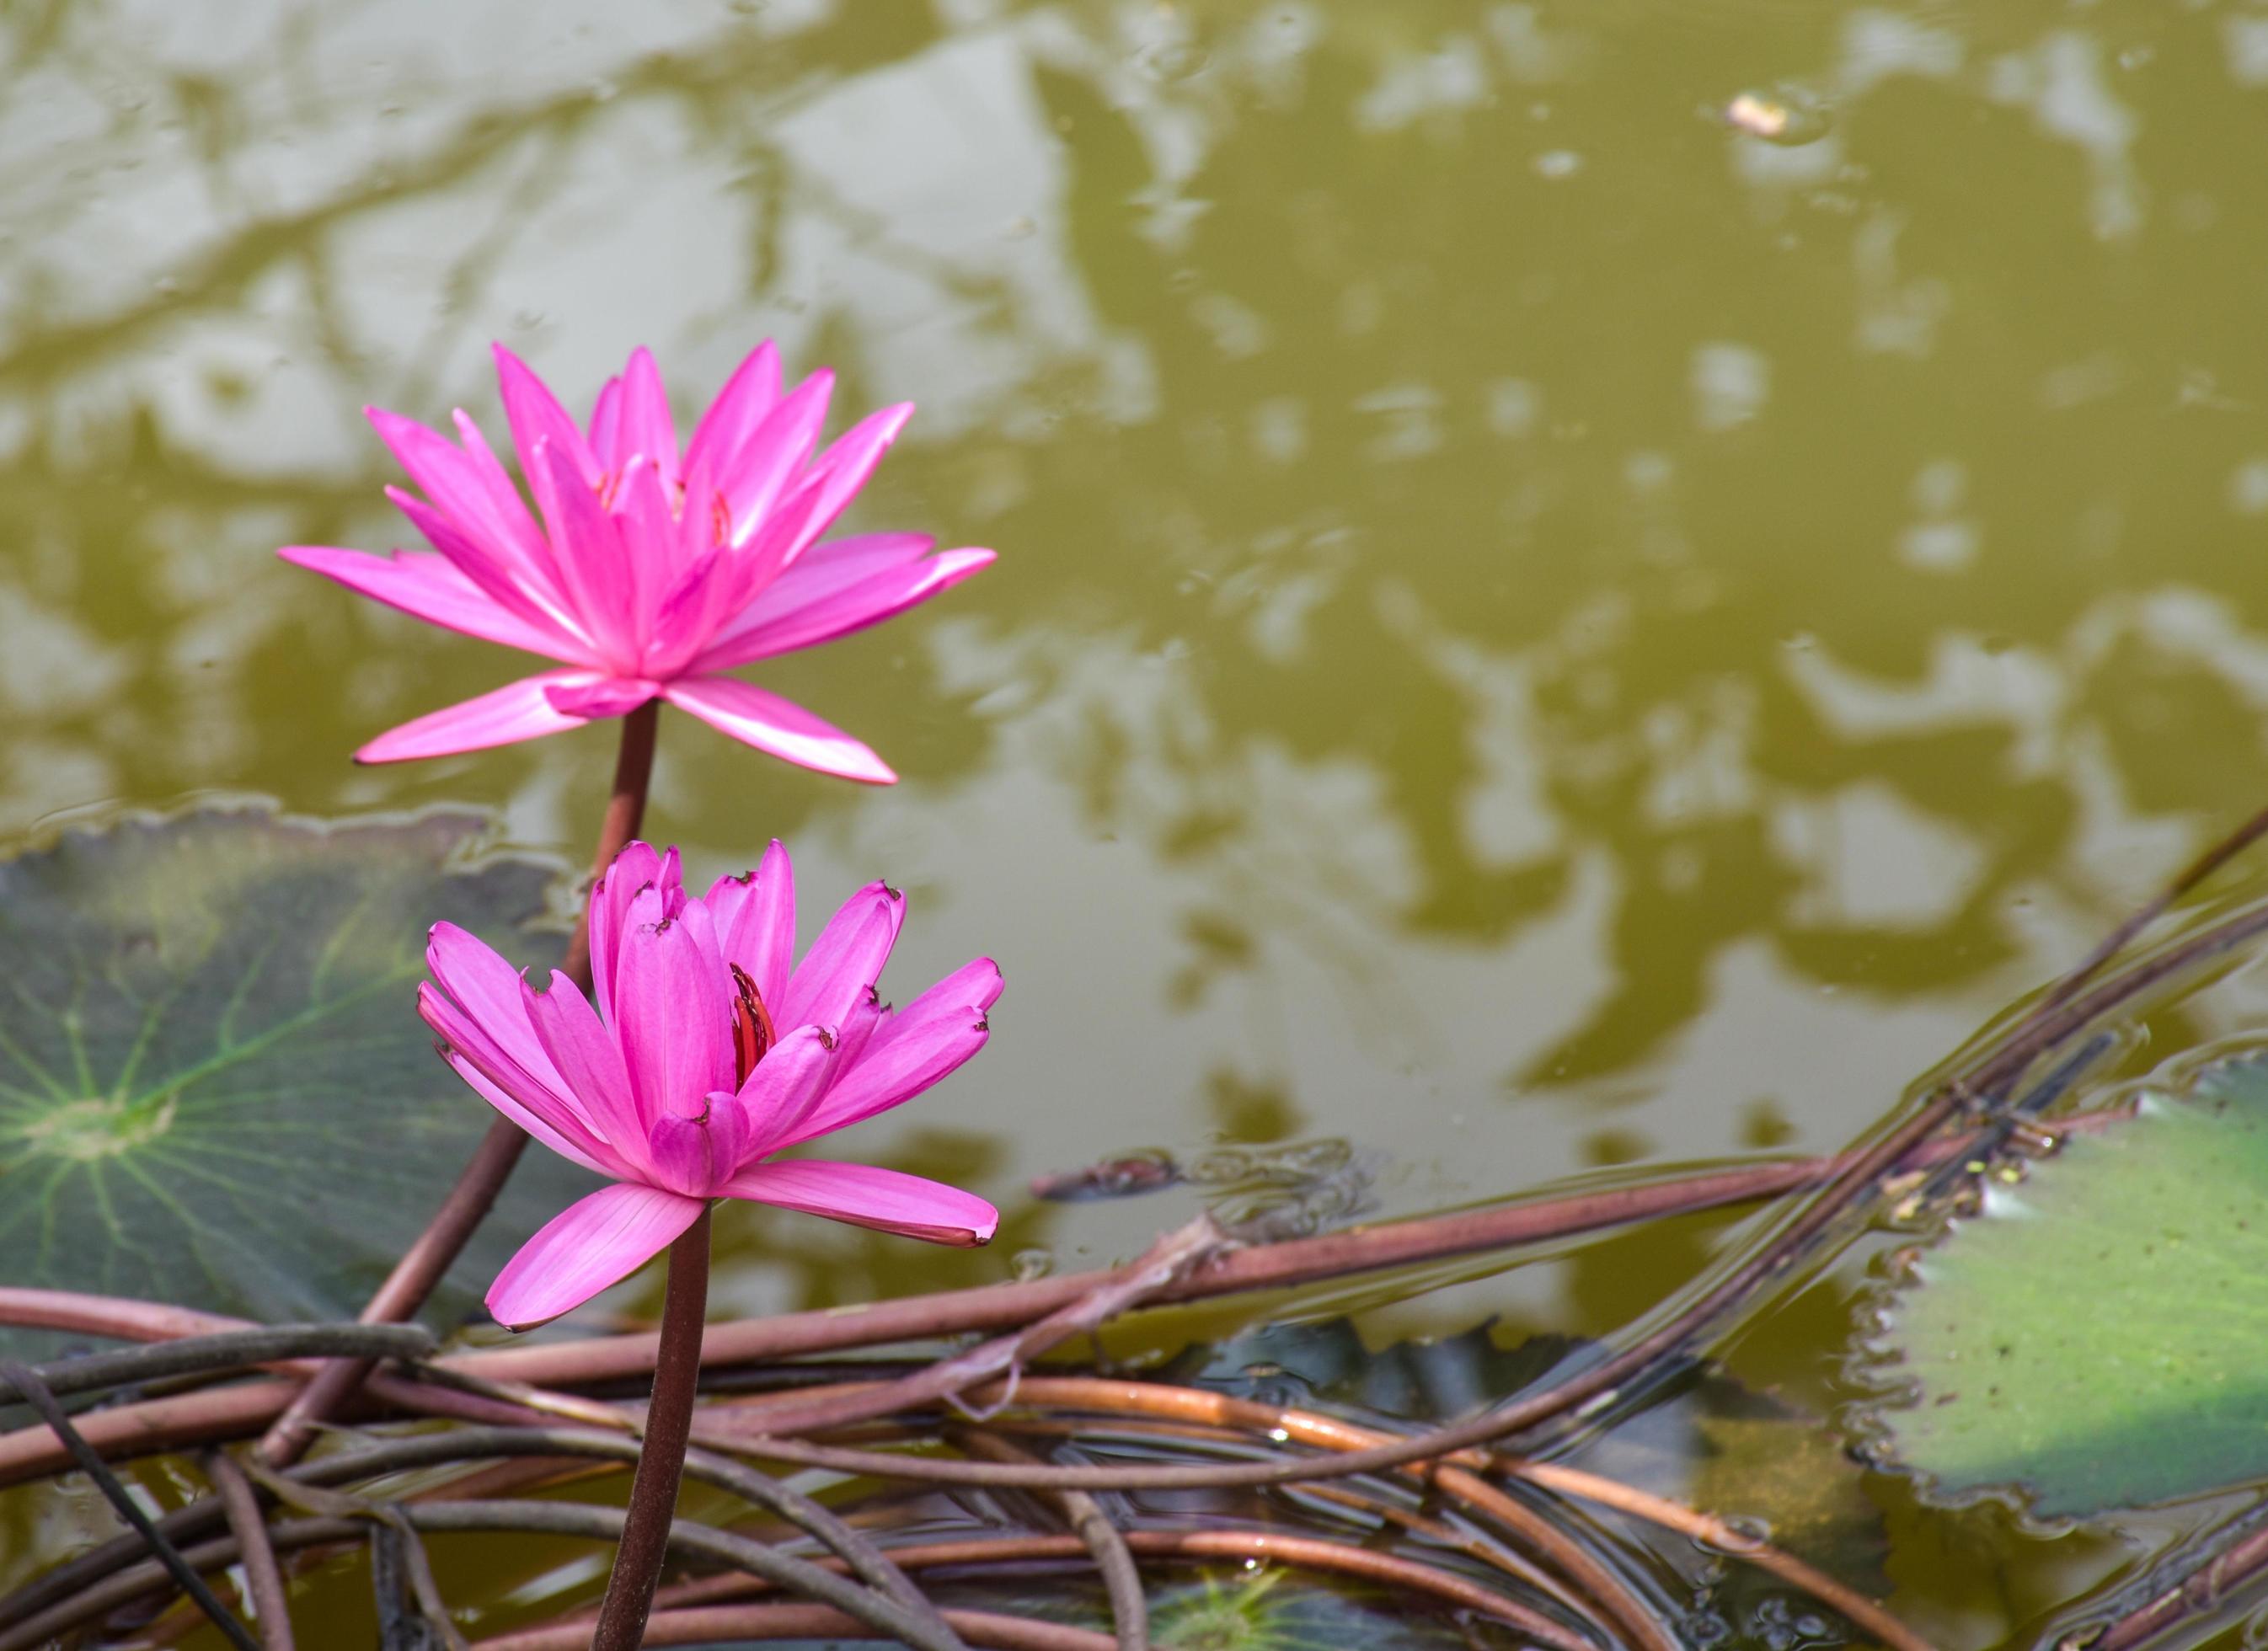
(709, 1051)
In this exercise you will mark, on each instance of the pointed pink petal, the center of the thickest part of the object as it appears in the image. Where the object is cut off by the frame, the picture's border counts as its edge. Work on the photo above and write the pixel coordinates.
(590, 1066)
(786, 1085)
(756, 923)
(647, 430)
(493, 570)
(806, 513)
(536, 1106)
(518, 710)
(648, 532)
(919, 1046)
(488, 990)
(838, 473)
(635, 870)
(607, 425)
(535, 415)
(595, 1242)
(426, 586)
(883, 597)
(785, 729)
(845, 962)
(529, 1121)
(751, 392)
(588, 548)
(672, 1008)
(755, 477)
(834, 566)
(460, 485)
(865, 1196)
(508, 513)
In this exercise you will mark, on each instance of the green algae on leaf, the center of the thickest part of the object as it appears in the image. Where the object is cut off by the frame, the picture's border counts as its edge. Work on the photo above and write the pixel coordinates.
(2086, 1340)
(214, 1091)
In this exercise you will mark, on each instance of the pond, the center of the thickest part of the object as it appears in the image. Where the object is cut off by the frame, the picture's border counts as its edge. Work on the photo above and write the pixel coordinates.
(1537, 631)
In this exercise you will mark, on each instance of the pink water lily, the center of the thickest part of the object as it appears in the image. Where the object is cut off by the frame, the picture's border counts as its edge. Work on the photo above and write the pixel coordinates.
(646, 570)
(709, 1051)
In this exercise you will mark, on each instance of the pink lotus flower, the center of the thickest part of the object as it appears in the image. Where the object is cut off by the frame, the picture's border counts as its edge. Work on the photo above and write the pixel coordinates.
(708, 1053)
(653, 569)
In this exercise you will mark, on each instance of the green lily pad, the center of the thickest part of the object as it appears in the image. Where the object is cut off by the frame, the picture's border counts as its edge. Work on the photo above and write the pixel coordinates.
(215, 1090)
(2085, 1341)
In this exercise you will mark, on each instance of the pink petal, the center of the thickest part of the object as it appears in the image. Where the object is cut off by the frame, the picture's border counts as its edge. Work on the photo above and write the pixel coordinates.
(756, 923)
(686, 1154)
(884, 596)
(785, 729)
(589, 1063)
(602, 696)
(604, 1165)
(753, 479)
(486, 988)
(672, 1008)
(646, 431)
(784, 1089)
(635, 870)
(649, 541)
(535, 417)
(537, 1107)
(495, 573)
(842, 469)
(845, 962)
(588, 549)
(518, 710)
(607, 425)
(808, 511)
(461, 486)
(426, 586)
(595, 1242)
(751, 392)
(921, 1046)
(865, 1196)
(508, 514)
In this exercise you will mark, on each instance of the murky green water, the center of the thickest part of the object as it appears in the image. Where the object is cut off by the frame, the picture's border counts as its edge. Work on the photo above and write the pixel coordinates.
(1534, 631)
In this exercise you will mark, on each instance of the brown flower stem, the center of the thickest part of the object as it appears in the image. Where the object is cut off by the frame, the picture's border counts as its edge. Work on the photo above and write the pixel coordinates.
(661, 1457)
(436, 1250)
(263, 1577)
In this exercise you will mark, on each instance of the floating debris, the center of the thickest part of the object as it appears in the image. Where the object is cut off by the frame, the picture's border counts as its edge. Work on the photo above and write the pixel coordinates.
(1788, 119)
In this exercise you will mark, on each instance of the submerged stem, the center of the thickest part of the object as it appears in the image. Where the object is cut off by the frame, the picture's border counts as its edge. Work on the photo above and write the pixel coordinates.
(661, 1460)
(422, 1265)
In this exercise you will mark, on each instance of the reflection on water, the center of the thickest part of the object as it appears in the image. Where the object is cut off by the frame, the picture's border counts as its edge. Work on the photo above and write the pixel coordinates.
(1536, 628)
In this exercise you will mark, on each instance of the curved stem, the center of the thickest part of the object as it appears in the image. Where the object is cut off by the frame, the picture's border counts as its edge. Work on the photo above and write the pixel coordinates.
(438, 1247)
(661, 1461)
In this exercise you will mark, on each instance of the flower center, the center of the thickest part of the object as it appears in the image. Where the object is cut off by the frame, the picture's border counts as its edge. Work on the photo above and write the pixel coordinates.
(752, 1033)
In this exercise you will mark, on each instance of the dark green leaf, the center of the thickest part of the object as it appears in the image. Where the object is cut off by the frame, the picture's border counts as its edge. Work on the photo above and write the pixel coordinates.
(215, 1090)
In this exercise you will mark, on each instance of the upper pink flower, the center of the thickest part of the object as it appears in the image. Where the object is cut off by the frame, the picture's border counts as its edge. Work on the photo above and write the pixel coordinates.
(646, 570)
(710, 1050)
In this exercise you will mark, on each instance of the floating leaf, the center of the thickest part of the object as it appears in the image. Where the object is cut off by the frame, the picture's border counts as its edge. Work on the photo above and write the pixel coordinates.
(1708, 1441)
(215, 1090)
(2085, 1340)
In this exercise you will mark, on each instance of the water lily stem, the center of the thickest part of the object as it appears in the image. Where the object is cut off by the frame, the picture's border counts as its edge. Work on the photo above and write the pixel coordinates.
(422, 1265)
(661, 1461)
